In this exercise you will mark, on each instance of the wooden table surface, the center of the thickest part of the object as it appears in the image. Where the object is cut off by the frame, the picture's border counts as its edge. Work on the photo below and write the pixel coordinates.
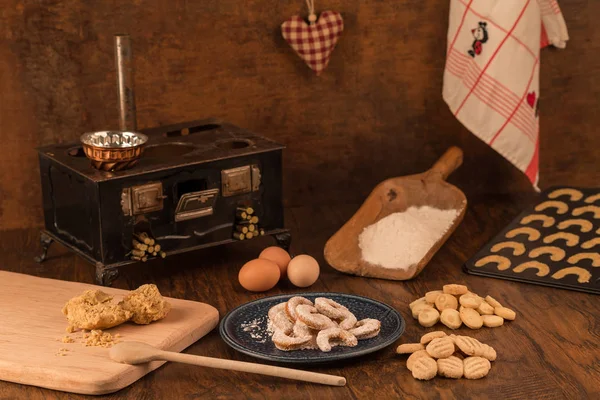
(550, 351)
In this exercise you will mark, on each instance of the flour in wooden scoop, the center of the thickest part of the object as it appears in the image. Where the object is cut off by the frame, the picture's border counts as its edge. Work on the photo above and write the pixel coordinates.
(402, 239)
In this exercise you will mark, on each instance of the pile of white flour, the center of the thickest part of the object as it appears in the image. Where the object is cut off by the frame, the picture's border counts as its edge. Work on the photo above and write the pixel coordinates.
(402, 239)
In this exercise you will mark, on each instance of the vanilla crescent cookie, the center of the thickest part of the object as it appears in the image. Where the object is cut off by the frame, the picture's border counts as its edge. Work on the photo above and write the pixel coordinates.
(330, 308)
(547, 221)
(311, 317)
(569, 238)
(591, 243)
(517, 248)
(561, 207)
(583, 275)
(573, 194)
(287, 343)
(451, 367)
(336, 311)
(328, 338)
(556, 253)
(592, 198)
(532, 234)
(542, 269)
(294, 302)
(502, 263)
(584, 224)
(302, 330)
(585, 209)
(366, 328)
(279, 318)
(594, 257)
(476, 367)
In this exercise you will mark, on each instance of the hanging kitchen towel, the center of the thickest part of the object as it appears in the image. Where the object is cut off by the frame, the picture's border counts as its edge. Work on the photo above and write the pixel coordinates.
(491, 79)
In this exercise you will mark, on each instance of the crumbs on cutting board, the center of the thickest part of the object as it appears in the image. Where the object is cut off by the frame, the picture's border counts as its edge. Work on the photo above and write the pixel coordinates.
(62, 352)
(95, 337)
(257, 329)
(67, 339)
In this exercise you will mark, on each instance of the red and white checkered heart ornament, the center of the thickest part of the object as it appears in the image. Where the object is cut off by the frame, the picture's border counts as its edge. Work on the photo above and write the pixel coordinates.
(314, 43)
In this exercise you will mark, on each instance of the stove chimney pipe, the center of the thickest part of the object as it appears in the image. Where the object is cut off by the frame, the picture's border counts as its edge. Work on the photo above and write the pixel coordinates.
(124, 64)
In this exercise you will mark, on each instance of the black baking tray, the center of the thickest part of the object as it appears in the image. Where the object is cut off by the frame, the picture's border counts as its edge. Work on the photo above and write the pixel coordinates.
(529, 275)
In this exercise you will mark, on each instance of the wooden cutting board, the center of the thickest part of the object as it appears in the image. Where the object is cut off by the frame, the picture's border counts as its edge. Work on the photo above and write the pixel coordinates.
(31, 326)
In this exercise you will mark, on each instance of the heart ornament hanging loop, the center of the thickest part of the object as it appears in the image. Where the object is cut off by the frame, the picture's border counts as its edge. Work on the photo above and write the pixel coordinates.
(314, 42)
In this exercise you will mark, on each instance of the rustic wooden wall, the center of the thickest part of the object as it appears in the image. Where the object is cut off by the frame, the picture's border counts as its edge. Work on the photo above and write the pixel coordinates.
(375, 112)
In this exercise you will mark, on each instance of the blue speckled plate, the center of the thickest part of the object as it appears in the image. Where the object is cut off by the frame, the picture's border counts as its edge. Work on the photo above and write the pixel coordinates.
(244, 328)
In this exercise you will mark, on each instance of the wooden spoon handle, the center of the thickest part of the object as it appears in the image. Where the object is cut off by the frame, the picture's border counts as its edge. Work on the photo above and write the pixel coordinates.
(253, 368)
(448, 163)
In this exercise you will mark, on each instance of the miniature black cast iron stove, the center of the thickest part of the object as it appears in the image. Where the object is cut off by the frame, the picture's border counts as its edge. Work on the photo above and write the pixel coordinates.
(184, 192)
(181, 188)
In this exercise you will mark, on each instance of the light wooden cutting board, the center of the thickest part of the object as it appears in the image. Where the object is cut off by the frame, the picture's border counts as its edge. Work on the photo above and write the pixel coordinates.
(31, 326)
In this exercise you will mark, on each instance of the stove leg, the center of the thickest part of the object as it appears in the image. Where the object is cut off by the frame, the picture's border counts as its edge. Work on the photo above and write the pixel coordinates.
(284, 240)
(45, 241)
(105, 276)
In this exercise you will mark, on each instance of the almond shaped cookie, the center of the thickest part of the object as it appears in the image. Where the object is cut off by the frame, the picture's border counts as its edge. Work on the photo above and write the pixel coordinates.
(444, 301)
(451, 318)
(471, 318)
(429, 317)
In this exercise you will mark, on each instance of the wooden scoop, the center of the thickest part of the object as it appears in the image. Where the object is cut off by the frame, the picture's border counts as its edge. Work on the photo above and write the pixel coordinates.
(396, 195)
(139, 353)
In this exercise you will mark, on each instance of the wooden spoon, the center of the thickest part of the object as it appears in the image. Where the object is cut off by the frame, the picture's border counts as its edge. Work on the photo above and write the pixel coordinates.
(396, 195)
(139, 353)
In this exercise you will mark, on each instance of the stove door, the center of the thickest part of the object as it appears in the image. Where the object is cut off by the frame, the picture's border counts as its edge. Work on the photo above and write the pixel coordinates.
(196, 204)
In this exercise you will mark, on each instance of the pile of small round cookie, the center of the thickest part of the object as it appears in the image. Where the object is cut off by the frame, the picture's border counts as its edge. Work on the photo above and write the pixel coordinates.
(449, 356)
(455, 305)
(300, 324)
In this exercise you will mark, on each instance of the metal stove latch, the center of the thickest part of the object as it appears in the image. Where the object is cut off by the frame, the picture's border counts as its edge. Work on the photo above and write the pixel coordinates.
(196, 205)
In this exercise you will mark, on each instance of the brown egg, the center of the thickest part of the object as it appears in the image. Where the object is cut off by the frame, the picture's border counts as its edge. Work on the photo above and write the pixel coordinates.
(279, 256)
(259, 275)
(303, 270)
